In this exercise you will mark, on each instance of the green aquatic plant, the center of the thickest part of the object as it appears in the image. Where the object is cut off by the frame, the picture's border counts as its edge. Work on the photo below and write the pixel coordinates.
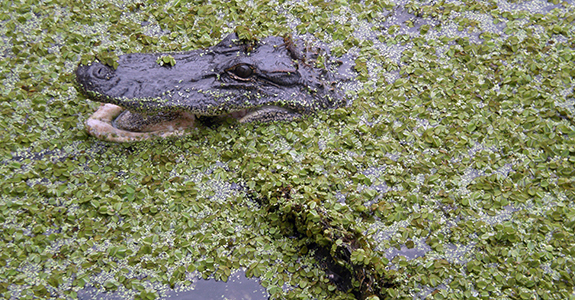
(451, 167)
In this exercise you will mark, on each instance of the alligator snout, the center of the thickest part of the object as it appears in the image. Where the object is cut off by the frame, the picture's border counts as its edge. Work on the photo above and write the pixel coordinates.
(86, 74)
(100, 71)
(95, 77)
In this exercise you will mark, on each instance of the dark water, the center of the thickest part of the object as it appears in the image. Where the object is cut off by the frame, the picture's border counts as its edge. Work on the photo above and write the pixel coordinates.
(238, 287)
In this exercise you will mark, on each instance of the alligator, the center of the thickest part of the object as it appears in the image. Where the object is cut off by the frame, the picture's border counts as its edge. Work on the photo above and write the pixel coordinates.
(148, 95)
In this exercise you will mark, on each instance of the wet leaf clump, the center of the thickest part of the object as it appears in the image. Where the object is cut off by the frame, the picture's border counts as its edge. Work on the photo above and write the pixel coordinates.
(342, 251)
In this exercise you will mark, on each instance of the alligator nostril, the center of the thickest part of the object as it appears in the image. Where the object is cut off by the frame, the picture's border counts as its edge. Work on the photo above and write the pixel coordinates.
(101, 71)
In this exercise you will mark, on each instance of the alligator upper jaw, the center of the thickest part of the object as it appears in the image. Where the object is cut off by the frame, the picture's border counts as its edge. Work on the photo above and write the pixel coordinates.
(102, 125)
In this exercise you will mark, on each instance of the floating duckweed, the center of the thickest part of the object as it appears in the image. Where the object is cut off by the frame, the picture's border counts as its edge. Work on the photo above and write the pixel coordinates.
(453, 160)
(166, 60)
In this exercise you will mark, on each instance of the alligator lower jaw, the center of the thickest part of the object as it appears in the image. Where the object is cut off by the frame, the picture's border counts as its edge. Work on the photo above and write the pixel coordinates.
(100, 124)
(114, 124)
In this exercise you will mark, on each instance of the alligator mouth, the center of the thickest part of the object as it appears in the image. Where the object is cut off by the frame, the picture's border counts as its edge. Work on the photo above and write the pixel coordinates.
(104, 124)
(116, 124)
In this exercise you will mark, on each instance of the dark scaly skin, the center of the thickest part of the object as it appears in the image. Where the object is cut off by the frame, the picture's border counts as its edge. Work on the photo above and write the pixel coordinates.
(274, 79)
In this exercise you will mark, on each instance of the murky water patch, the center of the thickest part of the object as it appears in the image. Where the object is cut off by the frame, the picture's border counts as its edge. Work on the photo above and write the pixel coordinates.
(238, 287)
(421, 249)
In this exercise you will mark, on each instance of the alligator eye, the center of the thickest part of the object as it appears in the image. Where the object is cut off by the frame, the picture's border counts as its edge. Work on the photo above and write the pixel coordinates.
(243, 71)
(101, 71)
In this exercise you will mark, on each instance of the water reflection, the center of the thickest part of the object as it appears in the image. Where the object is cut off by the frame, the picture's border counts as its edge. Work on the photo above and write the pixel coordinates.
(238, 287)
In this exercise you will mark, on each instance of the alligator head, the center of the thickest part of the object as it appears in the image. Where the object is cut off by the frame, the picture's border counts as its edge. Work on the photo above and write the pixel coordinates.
(274, 79)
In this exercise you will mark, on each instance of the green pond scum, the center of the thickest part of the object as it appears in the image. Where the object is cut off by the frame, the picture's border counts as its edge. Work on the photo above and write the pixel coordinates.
(450, 174)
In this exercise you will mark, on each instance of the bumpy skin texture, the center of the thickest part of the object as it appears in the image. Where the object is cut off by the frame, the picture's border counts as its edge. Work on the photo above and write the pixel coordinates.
(273, 79)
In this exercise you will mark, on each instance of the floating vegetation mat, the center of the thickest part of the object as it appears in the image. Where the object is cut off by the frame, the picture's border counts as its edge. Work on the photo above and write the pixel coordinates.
(449, 175)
